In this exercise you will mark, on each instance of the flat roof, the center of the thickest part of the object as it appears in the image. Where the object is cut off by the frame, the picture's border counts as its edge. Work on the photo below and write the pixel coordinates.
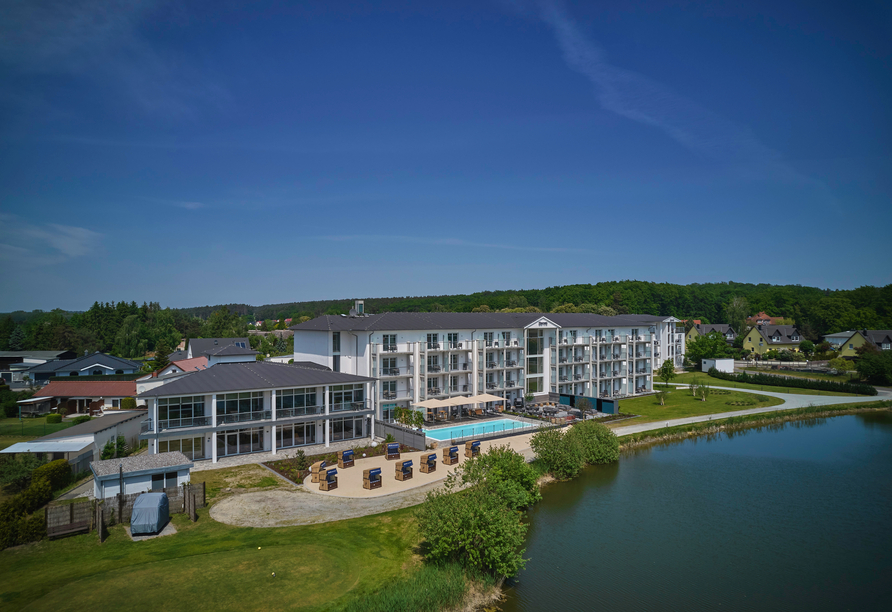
(98, 424)
(62, 445)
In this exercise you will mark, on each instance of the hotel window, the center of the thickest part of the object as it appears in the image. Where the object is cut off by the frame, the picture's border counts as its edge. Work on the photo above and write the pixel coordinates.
(345, 429)
(388, 389)
(240, 403)
(389, 341)
(387, 411)
(432, 340)
(388, 363)
(433, 362)
(535, 346)
(572, 336)
(297, 434)
(179, 411)
(296, 402)
(453, 384)
(453, 362)
(506, 336)
(487, 338)
(336, 342)
(453, 340)
(336, 363)
(342, 397)
(191, 447)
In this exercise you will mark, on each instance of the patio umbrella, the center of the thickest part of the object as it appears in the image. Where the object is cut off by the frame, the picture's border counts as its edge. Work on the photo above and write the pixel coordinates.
(486, 397)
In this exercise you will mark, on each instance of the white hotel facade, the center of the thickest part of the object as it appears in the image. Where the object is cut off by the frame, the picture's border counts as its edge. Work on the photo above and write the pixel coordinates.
(418, 356)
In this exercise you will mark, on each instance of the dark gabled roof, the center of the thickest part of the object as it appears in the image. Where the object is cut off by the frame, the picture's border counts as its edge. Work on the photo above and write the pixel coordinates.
(178, 356)
(254, 375)
(51, 366)
(877, 336)
(96, 425)
(38, 354)
(722, 328)
(312, 365)
(229, 349)
(76, 365)
(201, 346)
(784, 331)
(394, 321)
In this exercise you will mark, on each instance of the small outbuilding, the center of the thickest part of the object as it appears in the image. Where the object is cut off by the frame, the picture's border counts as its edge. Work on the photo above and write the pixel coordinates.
(722, 365)
(140, 473)
(151, 512)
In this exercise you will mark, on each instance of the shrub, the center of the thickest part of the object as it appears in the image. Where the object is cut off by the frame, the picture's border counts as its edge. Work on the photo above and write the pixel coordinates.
(561, 454)
(799, 383)
(115, 448)
(128, 403)
(597, 442)
(15, 472)
(53, 418)
(506, 474)
(840, 364)
(81, 419)
(300, 460)
(876, 367)
(58, 473)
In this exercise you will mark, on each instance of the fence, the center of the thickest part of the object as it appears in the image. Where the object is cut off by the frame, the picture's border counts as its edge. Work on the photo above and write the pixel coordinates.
(502, 431)
(403, 435)
(176, 497)
(29, 428)
(68, 518)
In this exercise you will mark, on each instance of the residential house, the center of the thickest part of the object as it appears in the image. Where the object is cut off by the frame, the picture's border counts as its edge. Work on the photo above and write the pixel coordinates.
(704, 329)
(880, 338)
(763, 338)
(838, 339)
(140, 473)
(96, 364)
(419, 356)
(239, 408)
(199, 347)
(80, 444)
(764, 319)
(15, 364)
(79, 396)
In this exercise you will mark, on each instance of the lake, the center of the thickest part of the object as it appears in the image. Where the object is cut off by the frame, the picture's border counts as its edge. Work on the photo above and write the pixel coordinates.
(797, 517)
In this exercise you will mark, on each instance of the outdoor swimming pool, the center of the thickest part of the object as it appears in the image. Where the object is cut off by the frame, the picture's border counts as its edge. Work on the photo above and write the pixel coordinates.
(475, 429)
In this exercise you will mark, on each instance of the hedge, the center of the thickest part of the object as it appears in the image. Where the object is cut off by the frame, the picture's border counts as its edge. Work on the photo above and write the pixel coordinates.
(128, 403)
(15, 526)
(81, 419)
(799, 383)
(53, 418)
(58, 473)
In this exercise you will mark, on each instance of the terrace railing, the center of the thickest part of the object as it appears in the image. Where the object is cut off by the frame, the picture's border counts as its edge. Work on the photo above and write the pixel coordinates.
(244, 417)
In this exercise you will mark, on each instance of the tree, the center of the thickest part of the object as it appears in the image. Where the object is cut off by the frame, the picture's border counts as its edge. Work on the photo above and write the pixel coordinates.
(114, 448)
(482, 308)
(807, 347)
(736, 312)
(597, 442)
(15, 471)
(162, 350)
(661, 397)
(408, 417)
(666, 371)
(710, 346)
(562, 456)
(584, 406)
(17, 339)
(703, 392)
(875, 367)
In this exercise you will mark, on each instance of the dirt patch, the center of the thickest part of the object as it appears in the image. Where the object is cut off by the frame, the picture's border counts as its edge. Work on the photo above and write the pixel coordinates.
(283, 508)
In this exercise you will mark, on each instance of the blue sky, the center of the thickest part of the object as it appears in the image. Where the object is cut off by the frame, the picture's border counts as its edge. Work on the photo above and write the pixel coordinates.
(202, 153)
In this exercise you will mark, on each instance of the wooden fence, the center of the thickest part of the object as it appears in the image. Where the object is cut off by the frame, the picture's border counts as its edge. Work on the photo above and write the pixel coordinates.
(410, 437)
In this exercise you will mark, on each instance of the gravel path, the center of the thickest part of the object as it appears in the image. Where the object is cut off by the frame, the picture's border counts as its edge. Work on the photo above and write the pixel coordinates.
(301, 507)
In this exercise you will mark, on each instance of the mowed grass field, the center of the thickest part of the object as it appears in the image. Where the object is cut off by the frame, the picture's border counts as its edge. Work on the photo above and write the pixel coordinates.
(680, 403)
(212, 566)
(704, 378)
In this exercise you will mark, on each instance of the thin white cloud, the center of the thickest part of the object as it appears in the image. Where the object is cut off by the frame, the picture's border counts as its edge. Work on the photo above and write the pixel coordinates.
(32, 245)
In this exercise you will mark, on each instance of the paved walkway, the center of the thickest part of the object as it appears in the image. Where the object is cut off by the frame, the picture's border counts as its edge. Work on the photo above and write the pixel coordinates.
(308, 505)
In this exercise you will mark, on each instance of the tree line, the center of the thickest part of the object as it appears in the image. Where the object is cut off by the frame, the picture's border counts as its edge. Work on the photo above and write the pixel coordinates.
(130, 330)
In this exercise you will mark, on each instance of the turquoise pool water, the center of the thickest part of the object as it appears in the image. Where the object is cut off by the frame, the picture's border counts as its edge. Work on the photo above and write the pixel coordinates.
(475, 429)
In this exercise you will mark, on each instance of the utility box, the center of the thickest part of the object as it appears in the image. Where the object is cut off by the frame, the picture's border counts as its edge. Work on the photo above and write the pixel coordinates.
(722, 365)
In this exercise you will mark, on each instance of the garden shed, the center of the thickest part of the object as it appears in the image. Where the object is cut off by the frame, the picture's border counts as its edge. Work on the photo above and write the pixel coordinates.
(722, 365)
(140, 473)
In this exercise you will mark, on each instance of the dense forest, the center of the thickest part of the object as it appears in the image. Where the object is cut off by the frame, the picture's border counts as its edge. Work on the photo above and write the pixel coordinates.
(130, 330)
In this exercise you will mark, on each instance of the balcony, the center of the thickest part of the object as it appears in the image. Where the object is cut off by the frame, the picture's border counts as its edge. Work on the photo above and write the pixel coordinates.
(388, 395)
(509, 384)
(564, 379)
(390, 371)
(344, 406)
(492, 364)
(455, 345)
(492, 385)
(200, 421)
(433, 390)
(579, 359)
(562, 360)
(389, 348)
(510, 363)
(577, 377)
(244, 417)
(433, 346)
(298, 411)
(433, 368)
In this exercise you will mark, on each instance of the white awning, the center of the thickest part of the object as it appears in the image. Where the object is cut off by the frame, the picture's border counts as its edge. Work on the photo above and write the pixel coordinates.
(34, 400)
(60, 445)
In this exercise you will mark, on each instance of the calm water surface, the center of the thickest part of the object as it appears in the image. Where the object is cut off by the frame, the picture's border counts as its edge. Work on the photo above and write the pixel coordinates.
(796, 518)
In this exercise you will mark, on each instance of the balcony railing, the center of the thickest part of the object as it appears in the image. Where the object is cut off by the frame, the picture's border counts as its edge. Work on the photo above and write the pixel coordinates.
(296, 411)
(491, 385)
(390, 348)
(390, 371)
(562, 360)
(492, 364)
(564, 379)
(455, 345)
(433, 368)
(244, 417)
(200, 421)
(511, 363)
(577, 377)
(433, 390)
(433, 346)
(579, 358)
(343, 406)
(388, 395)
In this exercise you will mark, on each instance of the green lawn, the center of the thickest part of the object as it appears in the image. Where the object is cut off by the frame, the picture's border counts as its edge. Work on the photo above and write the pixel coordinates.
(212, 566)
(28, 428)
(680, 404)
(702, 377)
(813, 375)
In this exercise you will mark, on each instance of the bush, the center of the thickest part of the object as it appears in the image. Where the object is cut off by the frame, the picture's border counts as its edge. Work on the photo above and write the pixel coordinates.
(840, 364)
(115, 448)
(81, 419)
(58, 473)
(15, 472)
(799, 383)
(53, 418)
(597, 442)
(128, 403)
(560, 453)
(506, 474)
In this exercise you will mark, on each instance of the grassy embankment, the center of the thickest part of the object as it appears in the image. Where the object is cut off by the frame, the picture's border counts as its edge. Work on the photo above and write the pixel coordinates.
(715, 426)
(26, 429)
(702, 377)
(212, 566)
(680, 403)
